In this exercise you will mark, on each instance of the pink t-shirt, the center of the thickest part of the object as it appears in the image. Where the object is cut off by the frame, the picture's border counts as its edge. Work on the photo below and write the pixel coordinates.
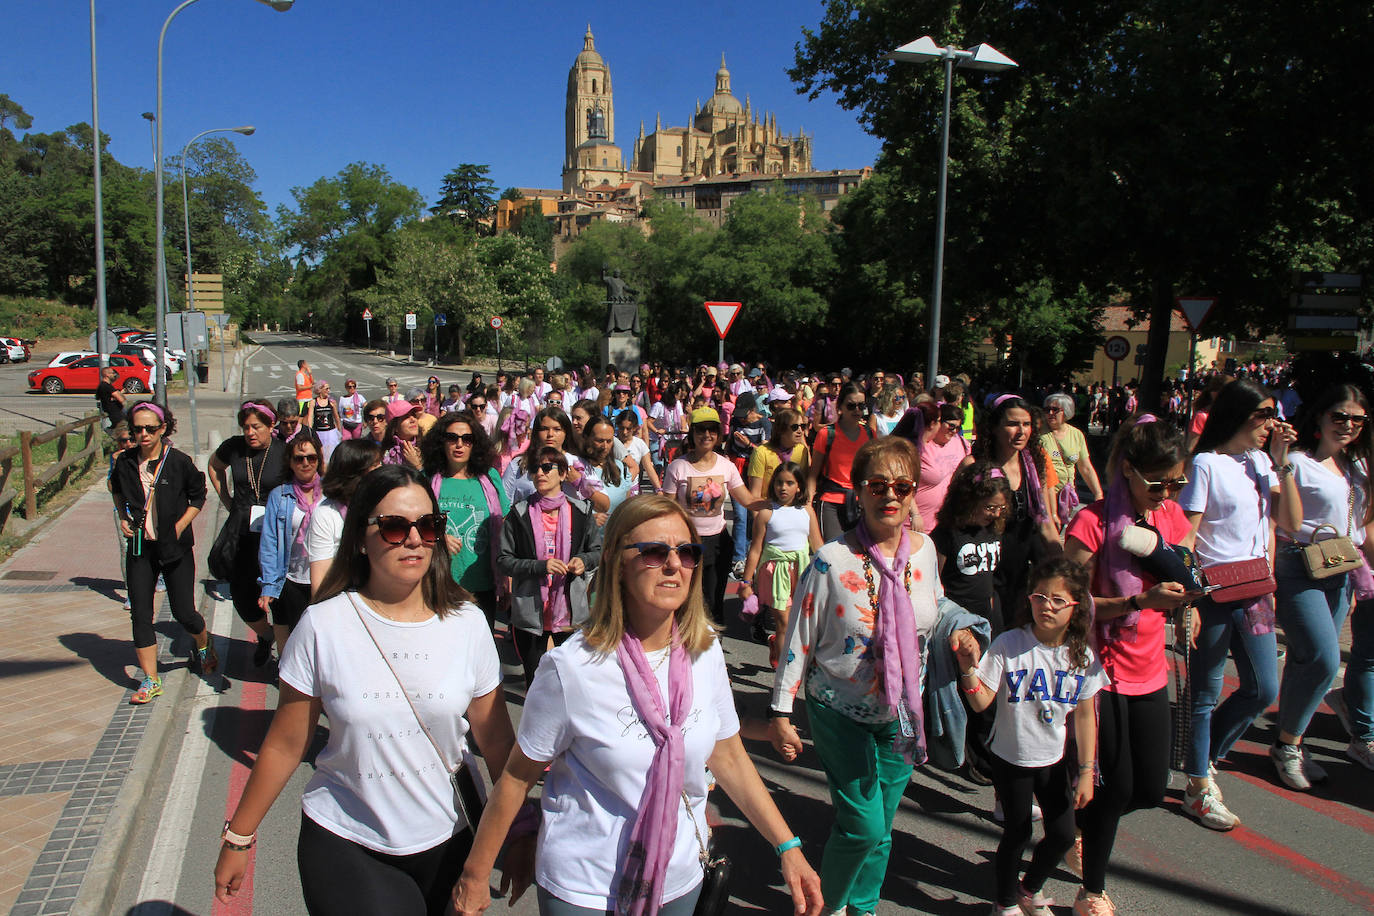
(938, 464)
(1136, 668)
(703, 493)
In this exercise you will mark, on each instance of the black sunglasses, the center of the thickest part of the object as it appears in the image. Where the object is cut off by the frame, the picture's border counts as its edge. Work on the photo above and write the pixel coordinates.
(655, 553)
(376, 418)
(1354, 419)
(1264, 413)
(136, 428)
(878, 486)
(477, 405)
(305, 459)
(548, 467)
(1156, 487)
(796, 427)
(455, 438)
(853, 405)
(394, 529)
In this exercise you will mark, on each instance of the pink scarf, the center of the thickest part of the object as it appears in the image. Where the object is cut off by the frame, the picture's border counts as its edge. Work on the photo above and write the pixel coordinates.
(554, 590)
(897, 646)
(307, 507)
(497, 519)
(655, 827)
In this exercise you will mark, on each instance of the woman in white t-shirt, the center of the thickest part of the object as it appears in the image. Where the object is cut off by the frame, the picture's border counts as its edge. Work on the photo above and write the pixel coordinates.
(1234, 490)
(626, 716)
(402, 662)
(1330, 461)
(352, 459)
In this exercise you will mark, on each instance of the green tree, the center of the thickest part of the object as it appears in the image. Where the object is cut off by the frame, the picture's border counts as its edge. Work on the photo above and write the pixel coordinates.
(466, 195)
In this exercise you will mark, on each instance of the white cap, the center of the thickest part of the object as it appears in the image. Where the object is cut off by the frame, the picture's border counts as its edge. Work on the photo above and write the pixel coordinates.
(941, 381)
(779, 393)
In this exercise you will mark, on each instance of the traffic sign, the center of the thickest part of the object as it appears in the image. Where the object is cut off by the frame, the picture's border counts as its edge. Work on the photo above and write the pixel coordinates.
(723, 315)
(1117, 348)
(1323, 322)
(410, 321)
(1335, 342)
(111, 341)
(440, 320)
(495, 322)
(1195, 309)
(367, 314)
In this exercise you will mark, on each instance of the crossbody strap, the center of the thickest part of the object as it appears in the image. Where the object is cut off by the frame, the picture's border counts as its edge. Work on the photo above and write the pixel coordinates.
(413, 711)
(701, 845)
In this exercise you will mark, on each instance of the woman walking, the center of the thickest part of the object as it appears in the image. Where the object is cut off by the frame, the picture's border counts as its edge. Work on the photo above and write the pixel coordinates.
(282, 554)
(1067, 449)
(324, 420)
(834, 450)
(352, 460)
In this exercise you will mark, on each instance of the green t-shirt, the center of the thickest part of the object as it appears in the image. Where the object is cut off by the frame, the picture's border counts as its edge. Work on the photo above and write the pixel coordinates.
(470, 521)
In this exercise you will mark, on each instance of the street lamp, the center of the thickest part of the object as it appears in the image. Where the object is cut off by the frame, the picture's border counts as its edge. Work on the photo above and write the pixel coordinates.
(101, 313)
(160, 395)
(978, 57)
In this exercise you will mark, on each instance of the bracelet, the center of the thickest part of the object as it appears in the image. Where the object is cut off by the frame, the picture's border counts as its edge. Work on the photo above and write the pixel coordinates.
(785, 845)
(778, 714)
(975, 689)
(237, 842)
(1085, 767)
(1133, 602)
(972, 672)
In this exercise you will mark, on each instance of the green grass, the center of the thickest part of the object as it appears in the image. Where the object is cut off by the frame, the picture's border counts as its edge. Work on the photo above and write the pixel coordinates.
(27, 317)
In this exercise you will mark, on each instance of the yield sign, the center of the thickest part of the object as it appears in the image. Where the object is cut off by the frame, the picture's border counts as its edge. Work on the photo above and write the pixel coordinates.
(1195, 310)
(723, 315)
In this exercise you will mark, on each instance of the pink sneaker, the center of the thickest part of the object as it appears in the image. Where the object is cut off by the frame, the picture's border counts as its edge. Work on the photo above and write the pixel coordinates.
(1093, 904)
(1036, 904)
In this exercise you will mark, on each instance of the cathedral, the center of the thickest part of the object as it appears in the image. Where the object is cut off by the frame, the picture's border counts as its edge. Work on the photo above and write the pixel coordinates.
(723, 137)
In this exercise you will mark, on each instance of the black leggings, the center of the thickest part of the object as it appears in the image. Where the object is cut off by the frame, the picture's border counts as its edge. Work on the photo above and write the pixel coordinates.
(1133, 753)
(532, 646)
(1015, 786)
(716, 551)
(290, 604)
(243, 584)
(340, 876)
(180, 578)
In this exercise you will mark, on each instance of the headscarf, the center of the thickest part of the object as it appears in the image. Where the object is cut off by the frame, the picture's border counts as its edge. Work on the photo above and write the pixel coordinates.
(307, 508)
(553, 591)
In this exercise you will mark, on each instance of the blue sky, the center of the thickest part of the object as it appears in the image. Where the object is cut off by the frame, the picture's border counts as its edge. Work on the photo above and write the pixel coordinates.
(416, 85)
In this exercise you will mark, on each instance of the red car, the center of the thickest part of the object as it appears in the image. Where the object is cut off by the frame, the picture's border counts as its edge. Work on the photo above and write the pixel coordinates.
(84, 375)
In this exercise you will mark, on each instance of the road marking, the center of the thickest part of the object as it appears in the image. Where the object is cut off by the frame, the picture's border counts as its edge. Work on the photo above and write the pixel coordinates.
(166, 858)
(257, 368)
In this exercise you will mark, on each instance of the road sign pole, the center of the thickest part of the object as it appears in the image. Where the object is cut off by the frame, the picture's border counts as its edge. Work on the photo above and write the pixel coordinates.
(1116, 365)
(498, 350)
(412, 346)
(720, 354)
(190, 384)
(1191, 389)
(223, 378)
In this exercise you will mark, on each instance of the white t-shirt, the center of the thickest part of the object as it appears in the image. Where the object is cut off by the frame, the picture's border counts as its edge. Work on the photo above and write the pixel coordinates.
(1233, 493)
(637, 449)
(379, 782)
(1037, 690)
(298, 561)
(578, 714)
(1326, 499)
(325, 532)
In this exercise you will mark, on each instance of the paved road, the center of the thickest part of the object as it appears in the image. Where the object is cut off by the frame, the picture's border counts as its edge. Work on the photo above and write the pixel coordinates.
(1307, 854)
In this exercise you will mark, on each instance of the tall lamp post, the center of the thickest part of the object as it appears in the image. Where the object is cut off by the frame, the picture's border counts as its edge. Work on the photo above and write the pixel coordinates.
(247, 131)
(101, 314)
(978, 57)
(160, 396)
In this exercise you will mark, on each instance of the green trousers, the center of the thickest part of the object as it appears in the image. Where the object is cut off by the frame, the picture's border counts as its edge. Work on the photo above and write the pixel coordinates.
(866, 778)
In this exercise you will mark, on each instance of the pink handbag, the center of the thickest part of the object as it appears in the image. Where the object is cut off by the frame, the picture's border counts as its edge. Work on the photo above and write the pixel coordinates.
(1241, 580)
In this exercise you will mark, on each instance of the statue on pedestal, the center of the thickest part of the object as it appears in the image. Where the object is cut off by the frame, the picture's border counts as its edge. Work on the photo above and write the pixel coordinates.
(622, 304)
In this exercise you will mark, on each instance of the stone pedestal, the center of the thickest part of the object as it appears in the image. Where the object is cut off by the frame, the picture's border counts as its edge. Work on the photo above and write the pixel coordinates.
(621, 350)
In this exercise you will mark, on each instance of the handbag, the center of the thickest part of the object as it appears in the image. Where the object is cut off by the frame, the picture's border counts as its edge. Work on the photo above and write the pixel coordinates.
(225, 550)
(1239, 580)
(468, 798)
(715, 880)
(1337, 554)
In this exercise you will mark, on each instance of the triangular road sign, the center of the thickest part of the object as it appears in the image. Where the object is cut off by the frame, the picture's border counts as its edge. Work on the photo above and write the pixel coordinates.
(723, 315)
(1195, 309)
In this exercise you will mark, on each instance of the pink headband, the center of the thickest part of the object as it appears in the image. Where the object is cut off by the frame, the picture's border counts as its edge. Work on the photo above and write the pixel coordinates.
(1005, 397)
(151, 407)
(990, 475)
(1145, 418)
(260, 408)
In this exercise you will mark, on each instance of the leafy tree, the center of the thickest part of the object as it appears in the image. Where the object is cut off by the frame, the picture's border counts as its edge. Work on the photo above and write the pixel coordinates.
(537, 227)
(466, 195)
(512, 194)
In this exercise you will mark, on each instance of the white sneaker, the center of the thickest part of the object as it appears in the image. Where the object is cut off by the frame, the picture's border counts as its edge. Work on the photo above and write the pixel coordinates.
(999, 816)
(1207, 808)
(1362, 752)
(1315, 774)
(1289, 764)
(1336, 700)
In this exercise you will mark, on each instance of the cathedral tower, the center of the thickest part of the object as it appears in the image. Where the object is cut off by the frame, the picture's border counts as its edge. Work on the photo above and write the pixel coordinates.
(589, 120)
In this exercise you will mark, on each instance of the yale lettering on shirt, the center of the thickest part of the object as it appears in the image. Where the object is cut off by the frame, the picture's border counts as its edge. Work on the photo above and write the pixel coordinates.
(1067, 686)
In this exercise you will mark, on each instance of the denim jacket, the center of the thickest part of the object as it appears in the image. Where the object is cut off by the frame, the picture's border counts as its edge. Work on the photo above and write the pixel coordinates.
(946, 717)
(274, 550)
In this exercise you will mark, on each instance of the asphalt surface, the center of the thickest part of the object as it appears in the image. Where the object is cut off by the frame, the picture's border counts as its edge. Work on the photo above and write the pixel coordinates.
(1295, 853)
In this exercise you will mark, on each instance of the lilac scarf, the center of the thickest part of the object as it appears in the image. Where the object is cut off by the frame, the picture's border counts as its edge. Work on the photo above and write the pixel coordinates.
(1115, 565)
(897, 647)
(496, 520)
(655, 828)
(554, 590)
(307, 508)
(1035, 494)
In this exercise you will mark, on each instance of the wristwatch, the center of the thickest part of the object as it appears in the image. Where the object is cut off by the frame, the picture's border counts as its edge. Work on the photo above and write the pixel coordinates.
(1284, 469)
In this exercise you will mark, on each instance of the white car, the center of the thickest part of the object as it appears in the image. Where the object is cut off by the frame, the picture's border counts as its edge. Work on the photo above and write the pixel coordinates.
(68, 356)
(13, 350)
(170, 360)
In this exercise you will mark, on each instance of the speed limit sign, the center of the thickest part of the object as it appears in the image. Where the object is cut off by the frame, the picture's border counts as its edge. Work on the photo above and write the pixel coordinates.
(1117, 348)
(495, 322)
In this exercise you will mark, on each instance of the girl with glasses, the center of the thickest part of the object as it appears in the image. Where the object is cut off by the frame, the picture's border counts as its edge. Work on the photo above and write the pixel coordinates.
(1037, 677)
(157, 492)
(282, 553)
(401, 661)
(549, 542)
(890, 402)
(1331, 469)
(1133, 608)
(552, 428)
(1239, 483)
(626, 716)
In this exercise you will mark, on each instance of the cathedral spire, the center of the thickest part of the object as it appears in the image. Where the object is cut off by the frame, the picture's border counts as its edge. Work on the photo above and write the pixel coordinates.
(588, 43)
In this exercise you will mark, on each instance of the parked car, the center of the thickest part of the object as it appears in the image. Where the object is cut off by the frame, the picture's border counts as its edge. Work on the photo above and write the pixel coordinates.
(83, 374)
(124, 334)
(69, 356)
(171, 360)
(15, 349)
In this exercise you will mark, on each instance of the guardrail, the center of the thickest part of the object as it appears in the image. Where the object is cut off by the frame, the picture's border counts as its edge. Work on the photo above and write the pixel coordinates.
(33, 481)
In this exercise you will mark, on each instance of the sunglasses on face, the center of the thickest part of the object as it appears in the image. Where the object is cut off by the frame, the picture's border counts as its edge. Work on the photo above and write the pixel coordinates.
(305, 459)
(1053, 602)
(477, 405)
(1264, 414)
(124, 442)
(878, 486)
(654, 554)
(1157, 487)
(796, 427)
(1341, 418)
(376, 418)
(455, 438)
(992, 509)
(951, 425)
(1054, 409)
(853, 405)
(548, 467)
(394, 529)
(135, 428)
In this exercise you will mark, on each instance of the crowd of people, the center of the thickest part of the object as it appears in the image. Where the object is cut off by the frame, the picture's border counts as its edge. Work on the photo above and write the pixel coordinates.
(941, 578)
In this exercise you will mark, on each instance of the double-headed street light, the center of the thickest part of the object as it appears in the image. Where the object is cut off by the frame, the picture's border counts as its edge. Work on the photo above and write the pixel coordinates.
(247, 131)
(160, 395)
(978, 57)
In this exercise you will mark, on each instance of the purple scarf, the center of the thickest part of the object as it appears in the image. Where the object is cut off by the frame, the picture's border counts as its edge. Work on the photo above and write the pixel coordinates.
(1035, 494)
(554, 590)
(1115, 565)
(497, 519)
(655, 828)
(897, 647)
(307, 508)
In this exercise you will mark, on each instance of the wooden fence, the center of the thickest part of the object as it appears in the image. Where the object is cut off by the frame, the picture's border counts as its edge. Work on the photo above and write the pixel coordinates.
(60, 470)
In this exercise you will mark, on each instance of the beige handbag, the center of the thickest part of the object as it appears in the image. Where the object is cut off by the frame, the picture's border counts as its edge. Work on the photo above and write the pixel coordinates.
(1337, 554)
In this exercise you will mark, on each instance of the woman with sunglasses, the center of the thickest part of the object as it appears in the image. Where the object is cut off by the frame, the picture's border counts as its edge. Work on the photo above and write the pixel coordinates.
(626, 716)
(1067, 449)
(869, 595)
(458, 462)
(700, 481)
(351, 411)
(548, 542)
(1133, 609)
(1330, 467)
(1032, 532)
(323, 420)
(834, 450)
(352, 460)
(402, 663)
(943, 451)
(552, 428)
(889, 404)
(1234, 491)
(282, 554)
(256, 463)
(157, 492)
(786, 442)
(434, 396)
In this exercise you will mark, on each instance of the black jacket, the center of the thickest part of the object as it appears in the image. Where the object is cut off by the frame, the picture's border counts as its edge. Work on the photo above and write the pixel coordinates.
(180, 486)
